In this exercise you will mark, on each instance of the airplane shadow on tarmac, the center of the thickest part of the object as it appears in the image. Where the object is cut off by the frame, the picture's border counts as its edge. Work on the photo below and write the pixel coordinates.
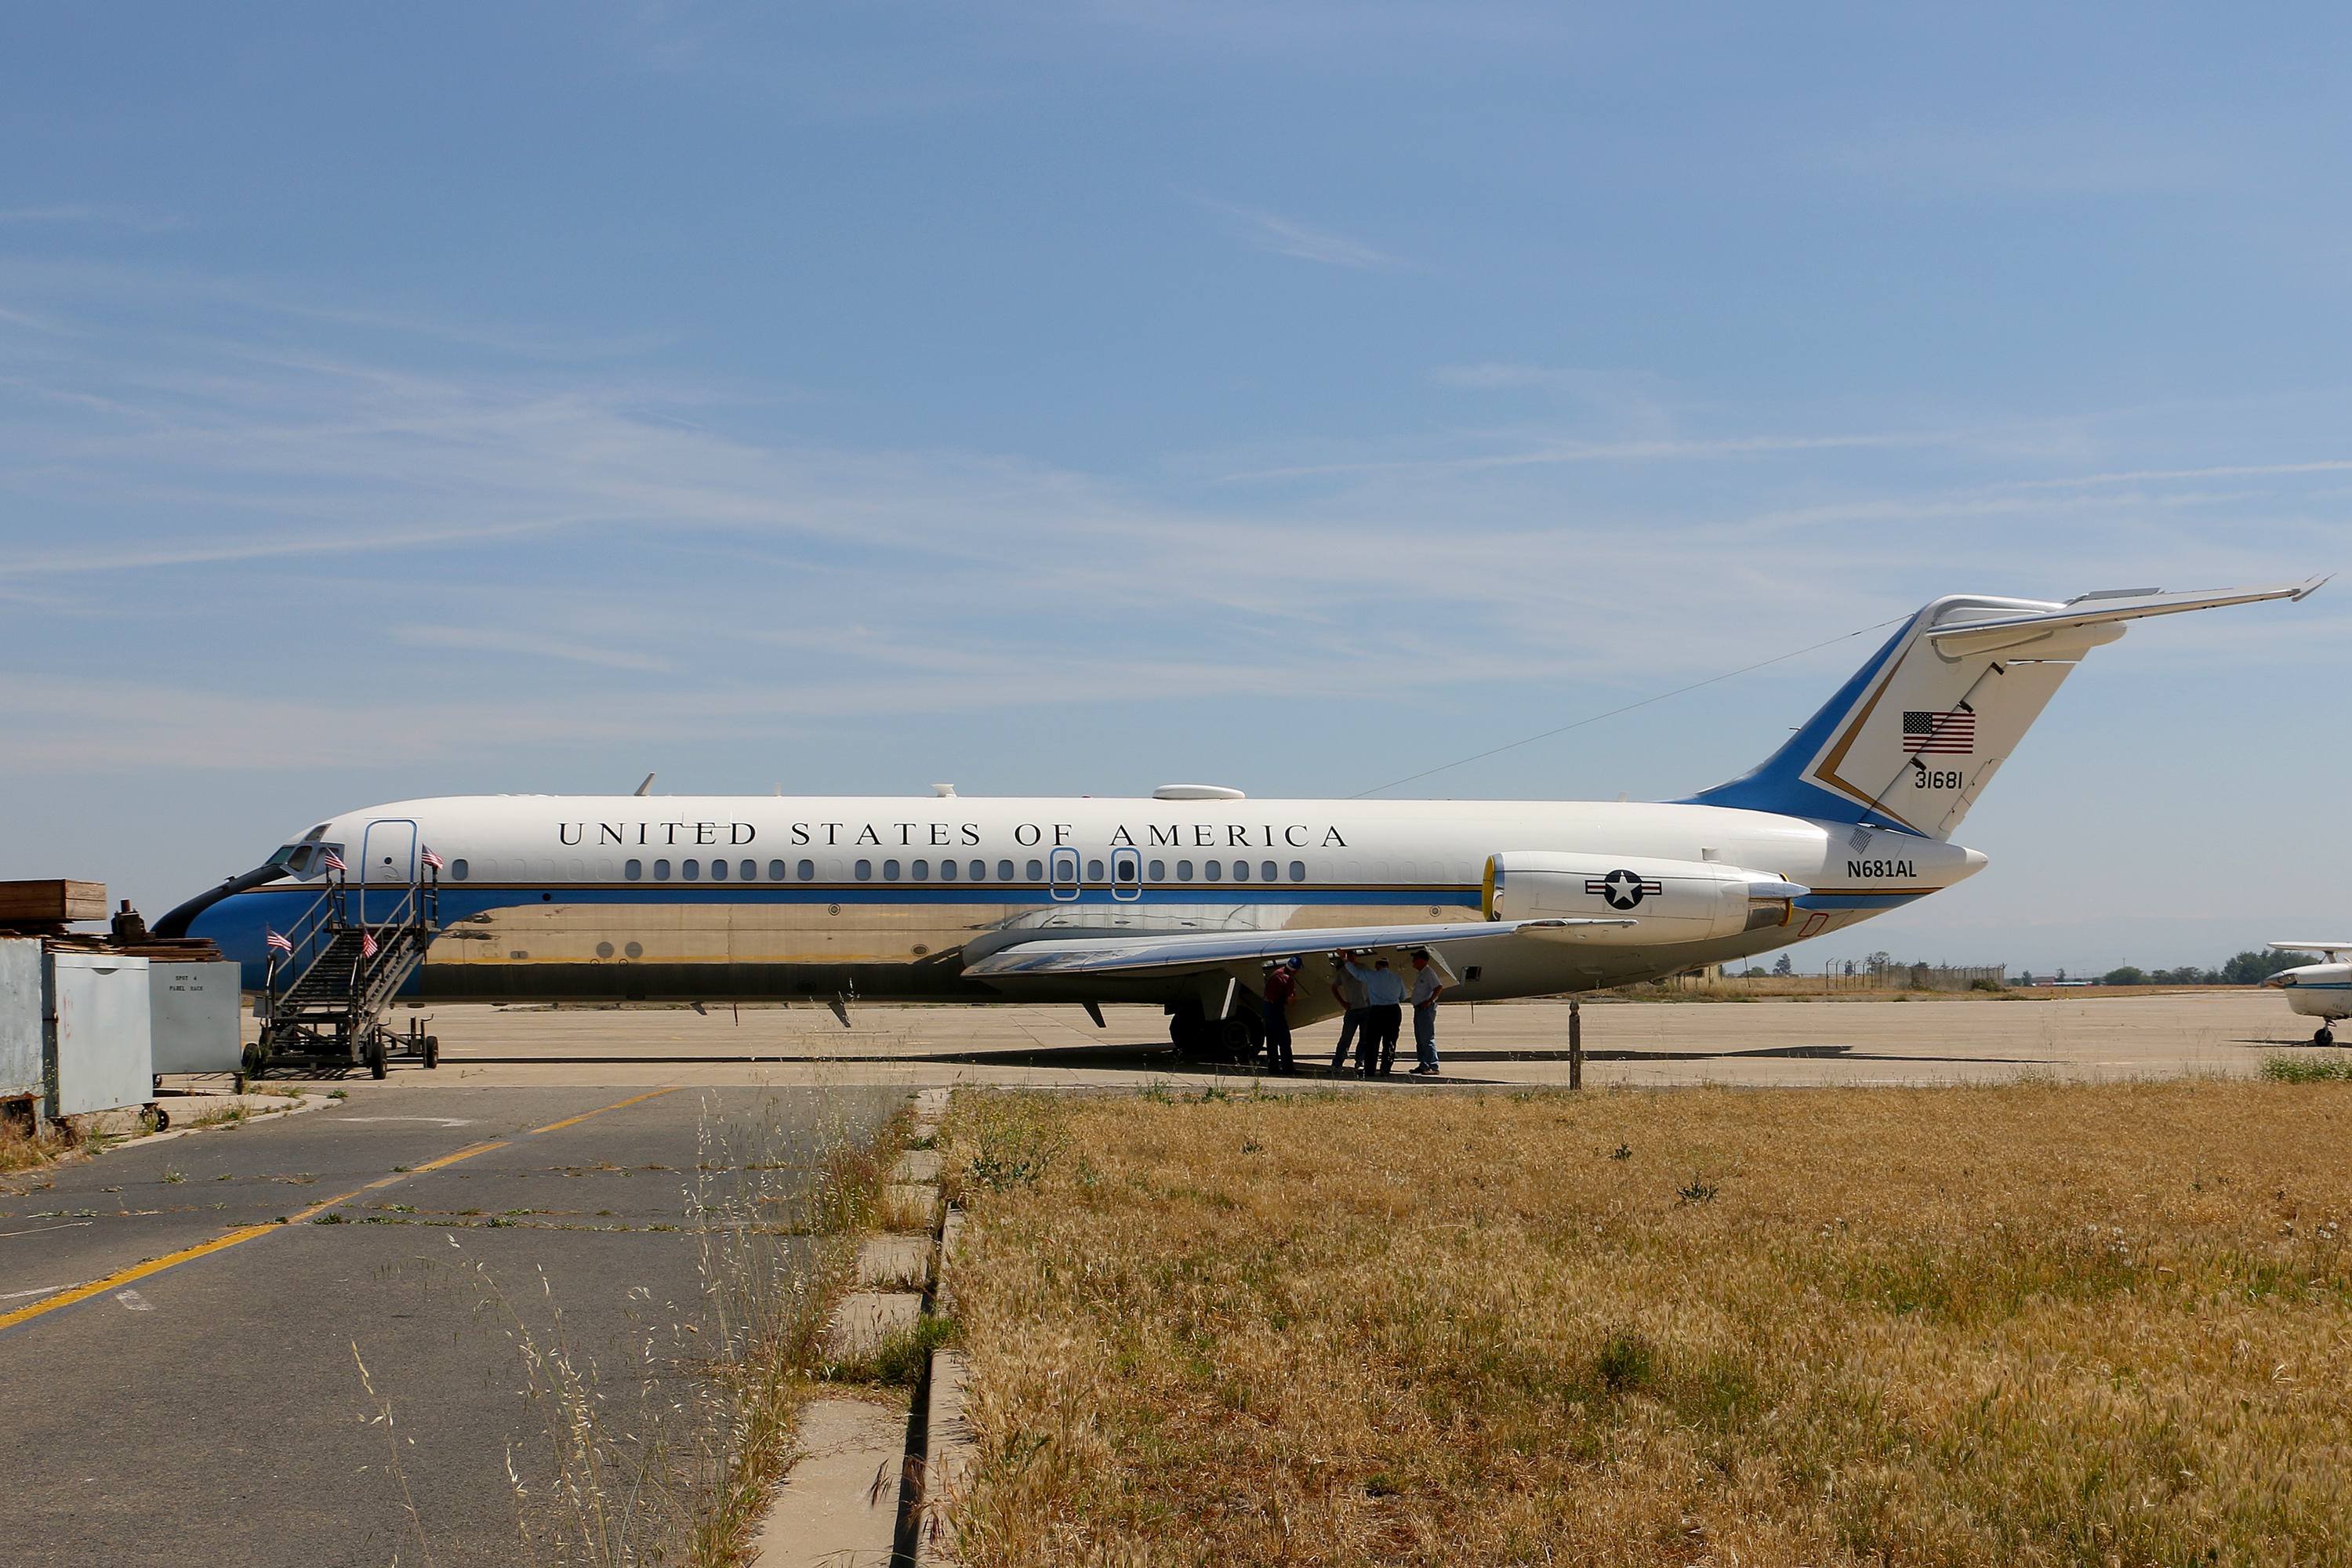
(1162, 1058)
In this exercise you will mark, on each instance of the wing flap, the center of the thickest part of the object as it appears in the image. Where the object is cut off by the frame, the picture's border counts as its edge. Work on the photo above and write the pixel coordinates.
(1181, 951)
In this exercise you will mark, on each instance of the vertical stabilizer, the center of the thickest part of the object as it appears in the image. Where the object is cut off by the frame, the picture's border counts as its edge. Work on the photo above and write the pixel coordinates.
(1912, 737)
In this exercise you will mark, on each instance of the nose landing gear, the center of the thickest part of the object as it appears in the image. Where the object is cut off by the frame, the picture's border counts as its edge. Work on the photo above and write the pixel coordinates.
(2327, 1036)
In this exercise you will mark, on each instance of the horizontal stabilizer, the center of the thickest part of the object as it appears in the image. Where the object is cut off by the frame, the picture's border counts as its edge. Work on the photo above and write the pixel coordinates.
(1969, 636)
(2330, 948)
(1181, 951)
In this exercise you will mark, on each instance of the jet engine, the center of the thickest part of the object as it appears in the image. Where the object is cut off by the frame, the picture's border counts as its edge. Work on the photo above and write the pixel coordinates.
(1671, 901)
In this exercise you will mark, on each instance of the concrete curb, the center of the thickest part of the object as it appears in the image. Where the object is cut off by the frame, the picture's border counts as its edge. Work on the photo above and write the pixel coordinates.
(264, 1109)
(950, 1451)
(840, 1505)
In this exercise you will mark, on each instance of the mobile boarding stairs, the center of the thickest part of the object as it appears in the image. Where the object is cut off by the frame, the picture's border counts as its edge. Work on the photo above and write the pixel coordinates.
(352, 951)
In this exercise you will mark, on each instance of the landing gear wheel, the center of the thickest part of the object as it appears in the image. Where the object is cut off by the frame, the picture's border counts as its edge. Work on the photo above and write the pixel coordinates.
(2327, 1036)
(375, 1063)
(255, 1062)
(432, 1050)
(1238, 1038)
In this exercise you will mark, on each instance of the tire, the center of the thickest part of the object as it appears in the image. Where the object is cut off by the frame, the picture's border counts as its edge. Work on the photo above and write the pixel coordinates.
(376, 1062)
(2327, 1036)
(162, 1118)
(432, 1050)
(1238, 1038)
(255, 1062)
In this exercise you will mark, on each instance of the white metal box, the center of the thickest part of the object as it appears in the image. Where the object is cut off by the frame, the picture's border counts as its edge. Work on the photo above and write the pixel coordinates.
(100, 1056)
(20, 1016)
(192, 1011)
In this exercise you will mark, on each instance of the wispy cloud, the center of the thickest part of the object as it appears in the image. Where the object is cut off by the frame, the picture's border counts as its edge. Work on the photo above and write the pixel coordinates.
(1284, 238)
(488, 639)
(125, 219)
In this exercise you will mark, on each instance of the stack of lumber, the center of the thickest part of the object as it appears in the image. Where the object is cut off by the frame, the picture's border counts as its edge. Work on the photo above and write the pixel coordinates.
(43, 909)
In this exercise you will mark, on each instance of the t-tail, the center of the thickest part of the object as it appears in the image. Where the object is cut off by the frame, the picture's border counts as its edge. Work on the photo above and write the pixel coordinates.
(1913, 739)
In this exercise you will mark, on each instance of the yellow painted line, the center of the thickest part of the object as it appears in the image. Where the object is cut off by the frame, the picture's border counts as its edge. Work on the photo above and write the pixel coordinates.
(123, 1277)
(574, 1121)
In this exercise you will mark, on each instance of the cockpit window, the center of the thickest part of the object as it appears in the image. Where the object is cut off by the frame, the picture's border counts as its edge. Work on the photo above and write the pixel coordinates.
(298, 859)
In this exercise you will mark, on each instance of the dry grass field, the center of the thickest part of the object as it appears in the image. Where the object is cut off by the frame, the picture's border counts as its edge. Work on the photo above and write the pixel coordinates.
(2031, 1324)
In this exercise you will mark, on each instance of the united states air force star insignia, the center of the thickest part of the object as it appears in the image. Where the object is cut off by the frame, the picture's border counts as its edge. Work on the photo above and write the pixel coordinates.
(1623, 888)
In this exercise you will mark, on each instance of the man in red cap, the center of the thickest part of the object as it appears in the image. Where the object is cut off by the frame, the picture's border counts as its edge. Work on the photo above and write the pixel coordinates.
(1281, 986)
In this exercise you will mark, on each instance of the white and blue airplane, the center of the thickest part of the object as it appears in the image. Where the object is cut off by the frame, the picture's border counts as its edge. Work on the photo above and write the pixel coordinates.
(1181, 900)
(2320, 991)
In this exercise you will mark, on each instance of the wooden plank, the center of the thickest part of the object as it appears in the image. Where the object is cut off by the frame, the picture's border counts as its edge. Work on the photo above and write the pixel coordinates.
(52, 900)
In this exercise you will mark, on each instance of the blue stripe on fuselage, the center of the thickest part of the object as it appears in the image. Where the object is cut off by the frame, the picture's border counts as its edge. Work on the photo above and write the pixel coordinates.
(236, 922)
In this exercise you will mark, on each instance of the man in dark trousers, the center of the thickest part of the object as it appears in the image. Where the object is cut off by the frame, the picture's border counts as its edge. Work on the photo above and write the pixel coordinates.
(1281, 984)
(1348, 991)
(1383, 1015)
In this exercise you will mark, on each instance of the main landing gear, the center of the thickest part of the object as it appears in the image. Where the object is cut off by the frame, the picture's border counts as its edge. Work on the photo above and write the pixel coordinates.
(1199, 1038)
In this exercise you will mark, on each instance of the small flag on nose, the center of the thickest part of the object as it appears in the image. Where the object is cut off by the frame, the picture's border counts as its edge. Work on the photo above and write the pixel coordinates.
(367, 945)
(431, 858)
(331, 861)
(271, 939)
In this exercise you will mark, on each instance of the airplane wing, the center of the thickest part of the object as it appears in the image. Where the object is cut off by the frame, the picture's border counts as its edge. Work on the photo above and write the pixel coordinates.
(1178, 953)
(1962, 637)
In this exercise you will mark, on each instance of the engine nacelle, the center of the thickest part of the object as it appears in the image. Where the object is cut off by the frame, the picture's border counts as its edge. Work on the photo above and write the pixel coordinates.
(1671, 900)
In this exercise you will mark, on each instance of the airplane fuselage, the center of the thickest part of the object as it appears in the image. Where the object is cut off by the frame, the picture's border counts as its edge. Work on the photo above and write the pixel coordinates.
(582, 899)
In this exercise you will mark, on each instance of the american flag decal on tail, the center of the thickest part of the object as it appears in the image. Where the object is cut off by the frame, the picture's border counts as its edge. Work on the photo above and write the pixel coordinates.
(1949, 734)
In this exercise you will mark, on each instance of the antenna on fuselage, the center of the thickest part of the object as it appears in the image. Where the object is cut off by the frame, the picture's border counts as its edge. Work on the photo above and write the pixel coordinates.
(647, 786)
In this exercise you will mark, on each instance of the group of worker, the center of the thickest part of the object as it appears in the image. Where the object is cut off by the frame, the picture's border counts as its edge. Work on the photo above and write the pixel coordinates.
(1374, 999)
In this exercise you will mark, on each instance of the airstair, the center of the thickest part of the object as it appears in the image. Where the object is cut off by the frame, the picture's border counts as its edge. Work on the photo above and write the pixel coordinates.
(335, 977)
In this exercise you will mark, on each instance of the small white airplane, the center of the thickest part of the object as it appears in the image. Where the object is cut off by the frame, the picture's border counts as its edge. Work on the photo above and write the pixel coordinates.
(1181, 899)
(2320, 991)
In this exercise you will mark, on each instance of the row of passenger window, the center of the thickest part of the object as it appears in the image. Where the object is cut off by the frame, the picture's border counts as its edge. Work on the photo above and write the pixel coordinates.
(921, 870)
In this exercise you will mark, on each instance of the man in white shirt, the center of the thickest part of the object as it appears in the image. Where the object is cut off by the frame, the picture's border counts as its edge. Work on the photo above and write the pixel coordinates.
(1383, 1015)
(1426, 989)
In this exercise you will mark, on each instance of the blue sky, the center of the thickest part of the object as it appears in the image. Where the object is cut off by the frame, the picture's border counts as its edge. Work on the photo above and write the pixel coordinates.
(432, 399)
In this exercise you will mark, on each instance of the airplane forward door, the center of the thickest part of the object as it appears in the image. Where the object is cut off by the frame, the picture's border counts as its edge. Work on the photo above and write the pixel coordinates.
(387, 864)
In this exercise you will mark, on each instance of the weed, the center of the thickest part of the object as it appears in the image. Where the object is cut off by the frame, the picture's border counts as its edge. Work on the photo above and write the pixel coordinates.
(330, 1217)
(1699, 1191)
(1623, 1152)
(2307, 1069)
(900, 1360)
(339, 1094)
(171, 1177)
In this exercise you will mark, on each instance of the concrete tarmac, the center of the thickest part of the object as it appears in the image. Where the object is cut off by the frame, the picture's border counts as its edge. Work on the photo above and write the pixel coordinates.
(213, 1412)
(1953, 1039)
